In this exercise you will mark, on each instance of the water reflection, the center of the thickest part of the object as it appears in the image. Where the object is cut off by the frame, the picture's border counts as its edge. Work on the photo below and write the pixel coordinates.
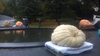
(7, 32)
(25, 35)
(18, 33)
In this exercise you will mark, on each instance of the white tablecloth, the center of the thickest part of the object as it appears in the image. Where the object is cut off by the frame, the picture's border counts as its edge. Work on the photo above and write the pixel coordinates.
(68, 50)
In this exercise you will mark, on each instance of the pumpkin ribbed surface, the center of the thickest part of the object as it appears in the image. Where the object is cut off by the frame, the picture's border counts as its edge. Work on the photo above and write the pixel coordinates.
(84, 23)
(68, 36)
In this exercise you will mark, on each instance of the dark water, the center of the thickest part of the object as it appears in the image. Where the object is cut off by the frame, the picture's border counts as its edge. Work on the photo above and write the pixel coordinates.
(31, 35)
(25, 35)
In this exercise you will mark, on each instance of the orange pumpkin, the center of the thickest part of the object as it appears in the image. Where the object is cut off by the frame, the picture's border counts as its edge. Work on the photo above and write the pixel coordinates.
(84, 23)
(19, 23)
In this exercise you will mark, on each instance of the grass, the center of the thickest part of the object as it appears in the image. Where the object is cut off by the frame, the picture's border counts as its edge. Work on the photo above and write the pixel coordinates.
(47, 24)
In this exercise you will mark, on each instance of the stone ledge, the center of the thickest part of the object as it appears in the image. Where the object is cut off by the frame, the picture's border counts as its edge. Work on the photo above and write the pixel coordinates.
(22, 45)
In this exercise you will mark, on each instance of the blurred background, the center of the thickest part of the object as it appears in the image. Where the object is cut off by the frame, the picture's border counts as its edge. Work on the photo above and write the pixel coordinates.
(67, 11)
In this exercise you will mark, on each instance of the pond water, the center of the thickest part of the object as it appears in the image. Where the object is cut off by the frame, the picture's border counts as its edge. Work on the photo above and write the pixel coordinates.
(34, 35)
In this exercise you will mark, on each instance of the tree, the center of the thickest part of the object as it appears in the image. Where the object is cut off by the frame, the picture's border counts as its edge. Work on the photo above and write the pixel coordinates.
(52, 9)
(1, 7)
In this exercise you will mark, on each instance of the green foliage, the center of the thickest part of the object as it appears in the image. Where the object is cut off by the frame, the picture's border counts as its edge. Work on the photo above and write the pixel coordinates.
(1, 7)
(48, 9)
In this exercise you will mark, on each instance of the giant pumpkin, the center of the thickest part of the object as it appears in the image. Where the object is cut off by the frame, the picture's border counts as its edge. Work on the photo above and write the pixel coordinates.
(68, 36)
(19, 23)
(6, 24)
(84, 23)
